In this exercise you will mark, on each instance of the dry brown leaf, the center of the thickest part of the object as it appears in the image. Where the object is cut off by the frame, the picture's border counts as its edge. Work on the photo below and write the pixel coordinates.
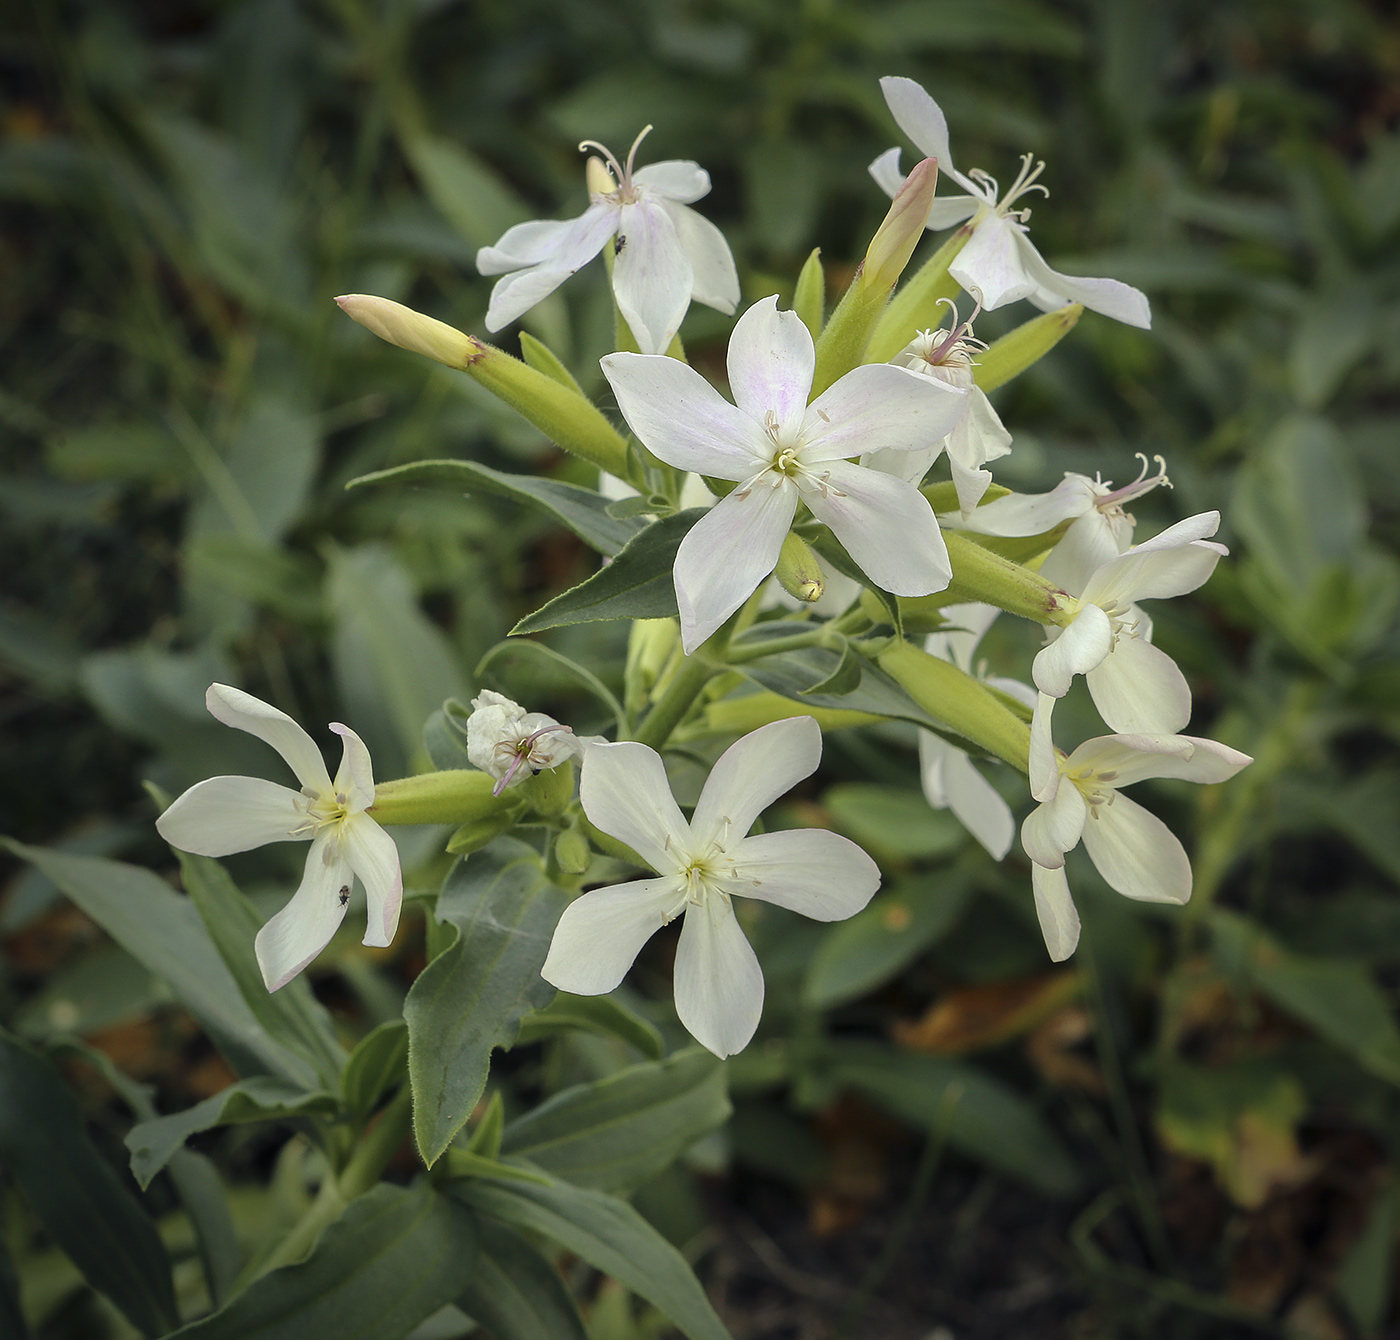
(1049, 1050)
(971, 1018)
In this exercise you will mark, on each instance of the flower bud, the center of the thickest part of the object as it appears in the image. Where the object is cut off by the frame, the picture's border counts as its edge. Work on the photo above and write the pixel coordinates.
(600, 181)
(918, 306)
(1011, 355)
(410, 330)
(899, 234)
(572, 851)
(549, 792)
(453, 797)
(797, 570)
(473, 836)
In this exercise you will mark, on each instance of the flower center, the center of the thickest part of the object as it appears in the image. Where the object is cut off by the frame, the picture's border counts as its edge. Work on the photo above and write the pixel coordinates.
(1096, 788)
(522, 752)
(1024, 183)
(700, 876)
(625, 192)
(322, 810)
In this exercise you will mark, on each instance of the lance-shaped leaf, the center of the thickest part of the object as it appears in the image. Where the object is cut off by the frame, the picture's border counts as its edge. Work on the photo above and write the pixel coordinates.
(75, 1193)
(392, 1259)
(552, 663)
(162, 930)
(594, 1014)
(260, 1098)
(637, 584)
(516, 1294)
(611, 1236)
(582, 510)
(618, 1131)
(500, 911)
(379, 1060)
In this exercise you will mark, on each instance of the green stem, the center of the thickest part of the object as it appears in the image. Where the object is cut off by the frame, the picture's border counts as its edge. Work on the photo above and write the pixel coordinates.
(686, 685)
(380, 1144)
(324, 1210)
(773, 646)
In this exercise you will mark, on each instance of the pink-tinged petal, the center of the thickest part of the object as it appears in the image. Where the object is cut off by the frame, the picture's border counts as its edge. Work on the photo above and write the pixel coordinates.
(770, 363)
(728, 552)
(714, 281)
(244, 712)
(1140, 689)
(1059, 920)
(719, 985)
(1032, 513)
(292, 938)
(1044, 764)
(624, 792)
(977, 804)
(879, 407)
(1055, 826)
(1077, 650)
(1170, 564)
(574, 245)
(600, 934)
(683, 420)
(922, 120)
(1136, 853)
(808, 870)
(651, 275)
(676, 179)
(374, 857)
(751, 774)
(990, 264)
(967, 625)
(223, 815)
(886, 525)
(1109, 297)
(354, 779)
(1136, 757)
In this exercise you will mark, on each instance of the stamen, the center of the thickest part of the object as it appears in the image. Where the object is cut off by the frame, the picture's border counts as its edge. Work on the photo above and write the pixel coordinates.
(1025, 182)
(632, 153)
(1142, 484)
(618, 175)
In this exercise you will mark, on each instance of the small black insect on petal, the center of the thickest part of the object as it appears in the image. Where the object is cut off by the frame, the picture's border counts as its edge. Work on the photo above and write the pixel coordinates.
(618, 243)
(344, 894)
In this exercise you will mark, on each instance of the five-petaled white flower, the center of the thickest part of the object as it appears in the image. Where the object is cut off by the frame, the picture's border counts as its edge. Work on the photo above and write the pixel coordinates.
(1134, 851)
(1136, 687)
(999, 264)
(950, 779)
(780, 451)
(701, 866)
(513, 744)
(665, 253)
(224, 815)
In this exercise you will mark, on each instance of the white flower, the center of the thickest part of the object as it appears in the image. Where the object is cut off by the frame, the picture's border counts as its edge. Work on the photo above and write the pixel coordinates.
(1136, 687)
(665, 253)
(781, 451)
(1134, 851)
(978, 436)
(1102, 529)
(950, 779)
(701, 866)
(999, 263)
(230, 814)
(513, 744)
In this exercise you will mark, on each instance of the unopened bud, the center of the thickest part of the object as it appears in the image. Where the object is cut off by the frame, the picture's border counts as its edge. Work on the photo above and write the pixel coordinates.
(473, 836)
(896, 238)
(459, 795)
(1011, 355)
(572, 852)
(798, 571)
(550, 791)
(600, 180)
(410, 330)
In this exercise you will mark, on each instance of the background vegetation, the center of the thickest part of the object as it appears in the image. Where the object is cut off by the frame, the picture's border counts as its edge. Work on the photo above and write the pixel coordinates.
(1198, 1129)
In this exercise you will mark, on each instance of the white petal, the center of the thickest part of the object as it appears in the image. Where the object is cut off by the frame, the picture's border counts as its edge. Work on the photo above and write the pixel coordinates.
(1055, 826)
(771, 361)
(600, 934)
(566, 251)
(1137, 854)
(1024, 694)
(728, 552)
(934, 752)
(751, 774)
(682, 419)
(1084, 548)
(1044, 766)
(808, 870)
(879, 407)
(990, 264)
(651, 277)
(539, 240)
(292, 938)
(1059, 921)
(677, 179)
(1110, 297)
(971, 484)
(887, 526)
(223, 815)
(978, 805)
(244, 712)
(1170, 564)
(946, 211)
(624, 792)
(719, 985)
(1133, 758)
(374, 857)
(1033, 513)
(910, 466)
(967, 625)
(1077, 650)
(355, 777)
(714, 281)
(922, 120)
(1140, 689)
(886, 172)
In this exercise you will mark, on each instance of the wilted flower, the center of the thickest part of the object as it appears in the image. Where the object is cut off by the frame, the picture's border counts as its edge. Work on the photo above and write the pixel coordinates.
(513, 744)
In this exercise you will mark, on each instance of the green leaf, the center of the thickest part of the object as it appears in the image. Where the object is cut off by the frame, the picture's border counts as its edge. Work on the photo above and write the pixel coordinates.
(583, 511)
(1336, 997)
(594, 1014)
(637, 584)
(611, 1236)
(258, 1099)
(1365, 1278)
(292, 1015)
(445, 737)
(865, 951)
(552, 662)
(12, 1322)
(468, 194)
(162, 930)
(76, 1195)
(991, 1122)
(844, 680)
(391, 1260)
(516, 1294)
(470, 999)
(618, 1131)
(380, 1060)
(893, 822)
